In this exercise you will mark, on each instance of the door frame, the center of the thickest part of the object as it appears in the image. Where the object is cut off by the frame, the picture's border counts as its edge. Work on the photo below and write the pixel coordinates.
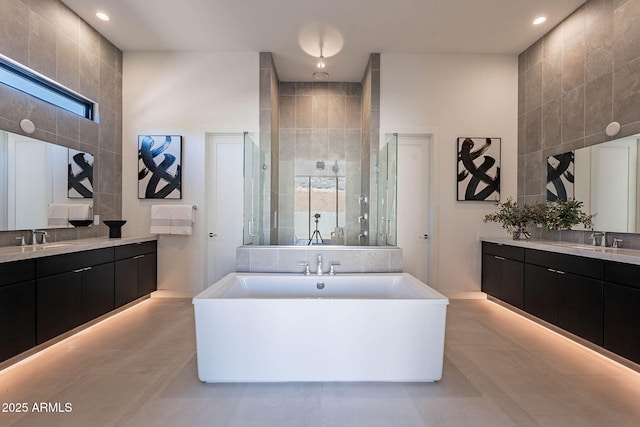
(432, 229)
(210, 195)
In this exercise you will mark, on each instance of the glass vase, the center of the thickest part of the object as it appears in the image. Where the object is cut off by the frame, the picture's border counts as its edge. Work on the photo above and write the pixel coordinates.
(521, 233)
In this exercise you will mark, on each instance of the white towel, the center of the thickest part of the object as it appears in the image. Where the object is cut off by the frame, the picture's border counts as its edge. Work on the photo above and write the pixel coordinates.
(58, 214)
(161, 219)
(79, 211)
(182, 219)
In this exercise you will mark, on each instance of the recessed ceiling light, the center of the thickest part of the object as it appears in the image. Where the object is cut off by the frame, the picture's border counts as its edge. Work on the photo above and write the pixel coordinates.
(539, 20)
(102, 16)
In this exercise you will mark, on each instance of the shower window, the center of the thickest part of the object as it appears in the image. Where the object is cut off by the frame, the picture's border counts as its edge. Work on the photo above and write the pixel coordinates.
(319, 212)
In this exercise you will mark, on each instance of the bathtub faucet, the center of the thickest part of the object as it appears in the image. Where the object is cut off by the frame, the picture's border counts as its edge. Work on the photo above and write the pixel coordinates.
(319, 271)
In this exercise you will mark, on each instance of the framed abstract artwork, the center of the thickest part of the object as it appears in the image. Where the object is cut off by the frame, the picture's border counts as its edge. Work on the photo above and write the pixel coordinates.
(80, 175)
(478, 169)
(159, 167)
(561, 177)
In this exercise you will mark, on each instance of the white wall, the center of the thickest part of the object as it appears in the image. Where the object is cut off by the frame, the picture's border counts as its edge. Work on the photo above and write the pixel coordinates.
(451, 96)
(188, 94)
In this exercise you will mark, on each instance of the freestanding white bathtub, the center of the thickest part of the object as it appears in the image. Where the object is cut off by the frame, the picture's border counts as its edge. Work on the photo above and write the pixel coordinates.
(261, 327)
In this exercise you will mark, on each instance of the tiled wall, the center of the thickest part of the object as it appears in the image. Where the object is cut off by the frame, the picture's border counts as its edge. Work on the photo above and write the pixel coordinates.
(578, 78)
(319, 121)
(370, 146)
(47, 37)
(264, 259)
(269, 144)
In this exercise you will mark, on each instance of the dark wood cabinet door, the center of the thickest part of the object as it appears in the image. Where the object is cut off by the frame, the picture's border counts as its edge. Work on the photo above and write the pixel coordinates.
(147, 274)
(492, 275)
(97, 291)
(513, 283)
(126, 281)
(622, 320)
(17, 318)
(540, 293)
(580, 302)
(58, 304)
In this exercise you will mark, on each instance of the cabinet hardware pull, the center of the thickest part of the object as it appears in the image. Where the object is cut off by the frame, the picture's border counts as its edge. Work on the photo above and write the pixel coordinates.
(87, 269)
(80, 270)
(559, 272)
(499, 257)
(138, 257)
(551, 270)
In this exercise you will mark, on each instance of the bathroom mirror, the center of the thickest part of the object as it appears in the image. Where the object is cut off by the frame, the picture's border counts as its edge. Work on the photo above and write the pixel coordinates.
(605, 178)
(42, 185)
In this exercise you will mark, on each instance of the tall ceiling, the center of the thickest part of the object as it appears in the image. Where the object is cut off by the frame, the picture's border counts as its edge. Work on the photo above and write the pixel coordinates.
(346, 31)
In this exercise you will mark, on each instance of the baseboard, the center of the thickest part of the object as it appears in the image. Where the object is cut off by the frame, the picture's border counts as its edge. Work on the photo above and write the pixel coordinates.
(167, 293)
(463, 294)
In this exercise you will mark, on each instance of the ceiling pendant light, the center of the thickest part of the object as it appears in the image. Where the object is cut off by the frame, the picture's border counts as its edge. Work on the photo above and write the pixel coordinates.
(321, 75)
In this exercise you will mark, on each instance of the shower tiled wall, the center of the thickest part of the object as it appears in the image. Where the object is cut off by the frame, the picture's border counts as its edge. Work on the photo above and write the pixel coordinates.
(269, 145)
(572, 82)
(319, 121)
(49, 38)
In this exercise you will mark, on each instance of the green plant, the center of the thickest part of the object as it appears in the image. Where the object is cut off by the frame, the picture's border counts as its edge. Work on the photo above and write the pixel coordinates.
(512, 216)
(559, 215)
(562, 215)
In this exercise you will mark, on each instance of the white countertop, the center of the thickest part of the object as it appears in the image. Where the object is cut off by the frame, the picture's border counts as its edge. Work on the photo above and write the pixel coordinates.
(17, 253)
(629, 256)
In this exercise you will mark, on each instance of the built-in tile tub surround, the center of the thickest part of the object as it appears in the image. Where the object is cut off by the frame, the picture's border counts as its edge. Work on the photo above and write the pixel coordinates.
(625, 255)
(287, 259)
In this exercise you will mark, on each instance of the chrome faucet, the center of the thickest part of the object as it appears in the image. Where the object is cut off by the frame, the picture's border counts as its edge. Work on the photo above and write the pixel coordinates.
(34, 239)
(306, 268)
(617, 243)
(604, 239)
(319, 271)
(21, 240)
(594, 237)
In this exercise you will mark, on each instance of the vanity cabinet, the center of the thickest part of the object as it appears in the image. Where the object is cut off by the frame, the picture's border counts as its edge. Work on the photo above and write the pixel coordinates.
(72, 289)
(622, 310)
(567, 291)
(135, 271)
(17, 308)
(503, 273)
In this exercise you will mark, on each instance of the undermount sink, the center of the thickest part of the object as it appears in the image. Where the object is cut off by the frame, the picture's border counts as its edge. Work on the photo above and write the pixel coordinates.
(592, 248)
(55, 245)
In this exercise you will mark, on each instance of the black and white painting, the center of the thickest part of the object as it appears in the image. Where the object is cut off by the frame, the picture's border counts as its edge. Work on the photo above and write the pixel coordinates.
(560, 176)
(80, 175)
(479, 169)
(159, 167)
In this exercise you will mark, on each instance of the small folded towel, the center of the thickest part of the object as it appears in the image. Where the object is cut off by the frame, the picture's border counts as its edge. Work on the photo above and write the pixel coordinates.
(79, 211)
(182, 219)
(58, 214)
(161, 219)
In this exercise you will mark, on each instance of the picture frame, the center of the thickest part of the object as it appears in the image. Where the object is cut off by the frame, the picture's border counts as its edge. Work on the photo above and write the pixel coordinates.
(478, 171)
(79, 175)
(561, 177)
(159, 166)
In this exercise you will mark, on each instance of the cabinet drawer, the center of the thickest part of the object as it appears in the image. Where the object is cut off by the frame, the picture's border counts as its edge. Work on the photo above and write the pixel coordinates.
(68, 262)
(623, 274)
(588, 267)
(129, 251)
(505, 251)
(18, 271)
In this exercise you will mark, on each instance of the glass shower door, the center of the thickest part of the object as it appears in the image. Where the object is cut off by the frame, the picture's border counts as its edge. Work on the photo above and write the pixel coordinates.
(251, 222)
(387, 188)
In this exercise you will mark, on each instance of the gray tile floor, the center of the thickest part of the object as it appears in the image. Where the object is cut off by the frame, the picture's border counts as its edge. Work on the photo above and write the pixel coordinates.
(139, 369)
